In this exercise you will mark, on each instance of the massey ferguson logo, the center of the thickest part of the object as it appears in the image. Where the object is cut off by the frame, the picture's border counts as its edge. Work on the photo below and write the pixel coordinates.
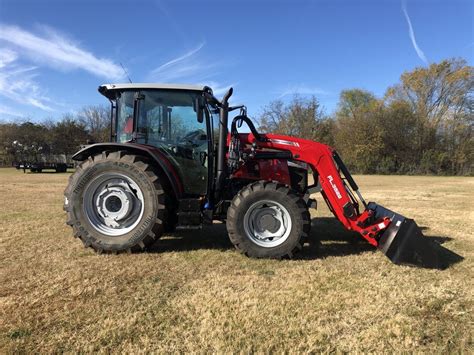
(334, 187)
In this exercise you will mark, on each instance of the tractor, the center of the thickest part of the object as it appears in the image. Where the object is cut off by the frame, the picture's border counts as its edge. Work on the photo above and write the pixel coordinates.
(172, 163)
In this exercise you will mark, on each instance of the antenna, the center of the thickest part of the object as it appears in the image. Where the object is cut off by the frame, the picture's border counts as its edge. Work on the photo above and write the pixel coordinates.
(126, 73)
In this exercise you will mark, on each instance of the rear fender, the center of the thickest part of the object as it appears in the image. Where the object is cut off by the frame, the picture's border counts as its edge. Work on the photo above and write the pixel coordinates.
(155, 155)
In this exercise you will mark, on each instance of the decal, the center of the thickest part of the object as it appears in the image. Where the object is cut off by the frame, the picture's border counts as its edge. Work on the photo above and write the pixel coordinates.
(334, 187)
(284, 142)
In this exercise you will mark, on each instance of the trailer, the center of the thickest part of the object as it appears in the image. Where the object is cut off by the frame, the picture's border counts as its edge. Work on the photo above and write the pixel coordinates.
(38, 167)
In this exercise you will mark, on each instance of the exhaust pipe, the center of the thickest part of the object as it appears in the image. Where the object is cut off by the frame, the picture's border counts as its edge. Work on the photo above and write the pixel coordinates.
(221, 149)
(403, 243)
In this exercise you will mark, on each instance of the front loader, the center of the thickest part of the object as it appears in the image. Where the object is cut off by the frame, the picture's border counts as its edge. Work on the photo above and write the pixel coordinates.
(173, 164)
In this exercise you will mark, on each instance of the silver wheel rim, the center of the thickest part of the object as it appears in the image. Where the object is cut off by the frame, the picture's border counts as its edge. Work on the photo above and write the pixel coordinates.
(113, 204)
(267, 223)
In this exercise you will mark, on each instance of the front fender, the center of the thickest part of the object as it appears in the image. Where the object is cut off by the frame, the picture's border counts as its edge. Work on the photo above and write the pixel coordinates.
(154, 154)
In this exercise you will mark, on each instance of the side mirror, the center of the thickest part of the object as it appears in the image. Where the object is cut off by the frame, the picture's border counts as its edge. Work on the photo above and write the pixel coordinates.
(199, 108)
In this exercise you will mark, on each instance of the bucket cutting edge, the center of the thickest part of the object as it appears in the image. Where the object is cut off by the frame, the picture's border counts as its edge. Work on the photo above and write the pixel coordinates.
(403, 242)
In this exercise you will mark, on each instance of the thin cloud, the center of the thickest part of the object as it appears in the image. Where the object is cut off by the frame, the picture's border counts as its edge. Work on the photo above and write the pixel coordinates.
(55, 50)
(301, 89)
(217, 88)
(48, 47)
(17, 83)
(7, 56)
(411, 33)
(179, 67)
(8, 111)
(190, 68)
(172, 20)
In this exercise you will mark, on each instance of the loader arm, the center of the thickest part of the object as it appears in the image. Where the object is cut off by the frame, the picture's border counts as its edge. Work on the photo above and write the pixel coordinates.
(398, 237)
(335, 191)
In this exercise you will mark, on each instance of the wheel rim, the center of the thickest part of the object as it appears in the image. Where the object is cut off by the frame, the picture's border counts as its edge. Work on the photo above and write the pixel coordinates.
(113, 204)
(267, 223)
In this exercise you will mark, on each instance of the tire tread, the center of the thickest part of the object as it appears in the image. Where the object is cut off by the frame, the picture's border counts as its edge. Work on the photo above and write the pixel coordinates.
(141, 163)
(272, 187)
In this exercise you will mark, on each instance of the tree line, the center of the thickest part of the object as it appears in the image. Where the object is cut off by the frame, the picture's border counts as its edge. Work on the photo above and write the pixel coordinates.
(28, 141)
(422, 125)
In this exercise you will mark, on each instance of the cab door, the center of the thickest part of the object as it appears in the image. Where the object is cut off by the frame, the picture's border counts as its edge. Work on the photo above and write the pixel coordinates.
(168, 120)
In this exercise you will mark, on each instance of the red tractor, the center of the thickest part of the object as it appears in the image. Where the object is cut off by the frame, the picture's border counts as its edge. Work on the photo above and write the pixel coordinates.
(172, 163)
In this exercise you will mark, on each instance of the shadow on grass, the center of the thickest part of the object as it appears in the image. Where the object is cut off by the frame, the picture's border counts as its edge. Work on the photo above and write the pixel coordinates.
(209, 237)
(327, 238)
(445, 257)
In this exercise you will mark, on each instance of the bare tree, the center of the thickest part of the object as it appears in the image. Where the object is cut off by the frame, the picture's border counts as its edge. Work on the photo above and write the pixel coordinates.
(300, 118)
(96, 120)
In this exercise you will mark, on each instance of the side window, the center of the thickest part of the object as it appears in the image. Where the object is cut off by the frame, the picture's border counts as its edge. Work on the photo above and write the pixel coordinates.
(124, 126)
(153, 119)
(168, 118)
(185, 127)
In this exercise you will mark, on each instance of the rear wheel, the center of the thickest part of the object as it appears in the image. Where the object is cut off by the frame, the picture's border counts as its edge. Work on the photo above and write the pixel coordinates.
(114, 202)
(268, 220)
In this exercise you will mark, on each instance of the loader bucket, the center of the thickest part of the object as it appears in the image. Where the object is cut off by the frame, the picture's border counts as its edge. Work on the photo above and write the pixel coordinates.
(404, 243)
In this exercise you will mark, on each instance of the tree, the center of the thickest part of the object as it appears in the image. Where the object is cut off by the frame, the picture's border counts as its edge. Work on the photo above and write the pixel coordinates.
(25, 141)
(441, 98)
(68, 135)
(300, 117)
(359, 135)
(399, 132)
(96, 120)
(444, 88)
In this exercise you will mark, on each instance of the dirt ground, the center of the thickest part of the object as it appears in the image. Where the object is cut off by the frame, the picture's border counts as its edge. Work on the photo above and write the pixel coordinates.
(193, 292)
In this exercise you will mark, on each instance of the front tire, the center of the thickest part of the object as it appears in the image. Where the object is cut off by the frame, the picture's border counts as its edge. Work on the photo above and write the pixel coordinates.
(268, 220)
(115, 202)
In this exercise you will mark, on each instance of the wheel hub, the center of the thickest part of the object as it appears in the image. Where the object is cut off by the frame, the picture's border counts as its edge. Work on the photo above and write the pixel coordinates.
(267, 223)
(113, 203)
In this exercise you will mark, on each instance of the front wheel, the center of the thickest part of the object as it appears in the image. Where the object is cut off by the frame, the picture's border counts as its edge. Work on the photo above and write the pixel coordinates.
(268, 220)
(114, 202)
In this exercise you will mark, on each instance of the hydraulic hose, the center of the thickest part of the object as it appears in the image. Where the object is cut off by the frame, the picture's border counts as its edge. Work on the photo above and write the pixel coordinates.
(249, 123)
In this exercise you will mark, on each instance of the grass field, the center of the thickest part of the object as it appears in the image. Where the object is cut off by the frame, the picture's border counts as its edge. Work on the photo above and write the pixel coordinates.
(194, 292)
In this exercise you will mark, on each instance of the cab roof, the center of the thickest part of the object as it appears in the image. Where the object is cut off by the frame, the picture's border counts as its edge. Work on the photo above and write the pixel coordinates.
(109, 89)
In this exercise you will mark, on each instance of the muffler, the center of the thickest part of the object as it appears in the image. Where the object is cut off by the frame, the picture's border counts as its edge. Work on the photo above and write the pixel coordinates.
(403, 242)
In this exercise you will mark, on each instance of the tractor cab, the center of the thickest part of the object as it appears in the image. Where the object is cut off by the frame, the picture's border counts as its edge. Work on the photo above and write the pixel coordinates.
(176, 120)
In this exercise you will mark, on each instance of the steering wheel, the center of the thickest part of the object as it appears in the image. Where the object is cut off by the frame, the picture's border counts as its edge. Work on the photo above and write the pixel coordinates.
(195, 138)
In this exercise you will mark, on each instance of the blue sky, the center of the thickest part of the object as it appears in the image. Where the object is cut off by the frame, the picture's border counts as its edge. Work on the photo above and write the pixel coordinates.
(54, 54)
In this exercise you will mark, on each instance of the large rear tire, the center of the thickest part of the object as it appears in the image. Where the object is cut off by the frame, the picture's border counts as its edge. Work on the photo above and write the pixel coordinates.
(115, 202)
(268, 220)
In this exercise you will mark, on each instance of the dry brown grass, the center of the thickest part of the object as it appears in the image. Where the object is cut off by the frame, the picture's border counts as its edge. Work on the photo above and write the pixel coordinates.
(193, 292)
